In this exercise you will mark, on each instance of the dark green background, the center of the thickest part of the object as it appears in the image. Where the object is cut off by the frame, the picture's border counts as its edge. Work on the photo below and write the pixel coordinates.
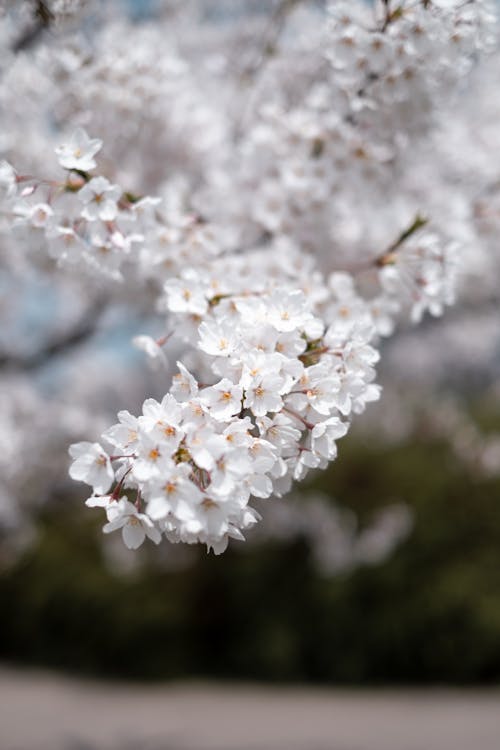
(430, 613)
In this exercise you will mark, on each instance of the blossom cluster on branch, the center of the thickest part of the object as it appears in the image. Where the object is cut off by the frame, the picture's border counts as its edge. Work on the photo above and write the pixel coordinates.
(290, 352)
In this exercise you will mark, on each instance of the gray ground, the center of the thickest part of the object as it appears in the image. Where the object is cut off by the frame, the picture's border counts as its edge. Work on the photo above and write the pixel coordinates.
(40, 711)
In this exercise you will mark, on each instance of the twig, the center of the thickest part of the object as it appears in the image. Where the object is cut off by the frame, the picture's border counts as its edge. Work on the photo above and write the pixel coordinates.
(387, 257)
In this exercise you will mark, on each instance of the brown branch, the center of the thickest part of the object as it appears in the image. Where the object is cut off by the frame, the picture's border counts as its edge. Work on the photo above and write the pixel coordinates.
(42, 19)
(390, 15)
(388, 256)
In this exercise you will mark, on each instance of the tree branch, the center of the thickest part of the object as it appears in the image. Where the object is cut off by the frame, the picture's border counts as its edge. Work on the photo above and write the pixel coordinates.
(388, 255)
(65, 343)
(42, 19)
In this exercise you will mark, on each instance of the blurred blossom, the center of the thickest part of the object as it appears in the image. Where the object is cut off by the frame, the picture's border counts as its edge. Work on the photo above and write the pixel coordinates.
(336, 542)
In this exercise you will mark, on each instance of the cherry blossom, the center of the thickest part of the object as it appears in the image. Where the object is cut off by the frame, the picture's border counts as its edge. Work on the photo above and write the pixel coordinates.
(78, 151)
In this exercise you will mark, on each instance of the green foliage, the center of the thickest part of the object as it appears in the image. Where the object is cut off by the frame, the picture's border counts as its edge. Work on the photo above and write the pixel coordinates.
(262, 611)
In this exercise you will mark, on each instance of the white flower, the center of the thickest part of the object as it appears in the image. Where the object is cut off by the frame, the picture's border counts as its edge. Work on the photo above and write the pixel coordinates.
(424, 272)
(162, 421)
(103, 256)
(194, 415)
(205, 446)
(261, 337)
(263, 397)
(280, 432)
(184, 385)
(175, 494)
(124, 435)
(79, 151)
(324, 434)
(98, 501)
(92, 466)
(318, 385)
(38, 215)
(287, 312)
(237, 433)
(154, 459)
(217, 339)
(41, 215)
(144, 211)
(306, 460)
(186, 295)
(124, 242)
(64, 244)
(213, 522)
(257, 365)
(291, 344)
(135, 526)
(100, 199)
(263, 456)
(229, 469)
(223, 399)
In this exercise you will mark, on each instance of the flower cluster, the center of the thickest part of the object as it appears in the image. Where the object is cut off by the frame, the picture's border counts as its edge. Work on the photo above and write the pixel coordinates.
(87, 221)
(287, 382)
(349, 134)
(182, 129)
(291, 353)
(404, 57)
(90, 224)
(426, 269)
